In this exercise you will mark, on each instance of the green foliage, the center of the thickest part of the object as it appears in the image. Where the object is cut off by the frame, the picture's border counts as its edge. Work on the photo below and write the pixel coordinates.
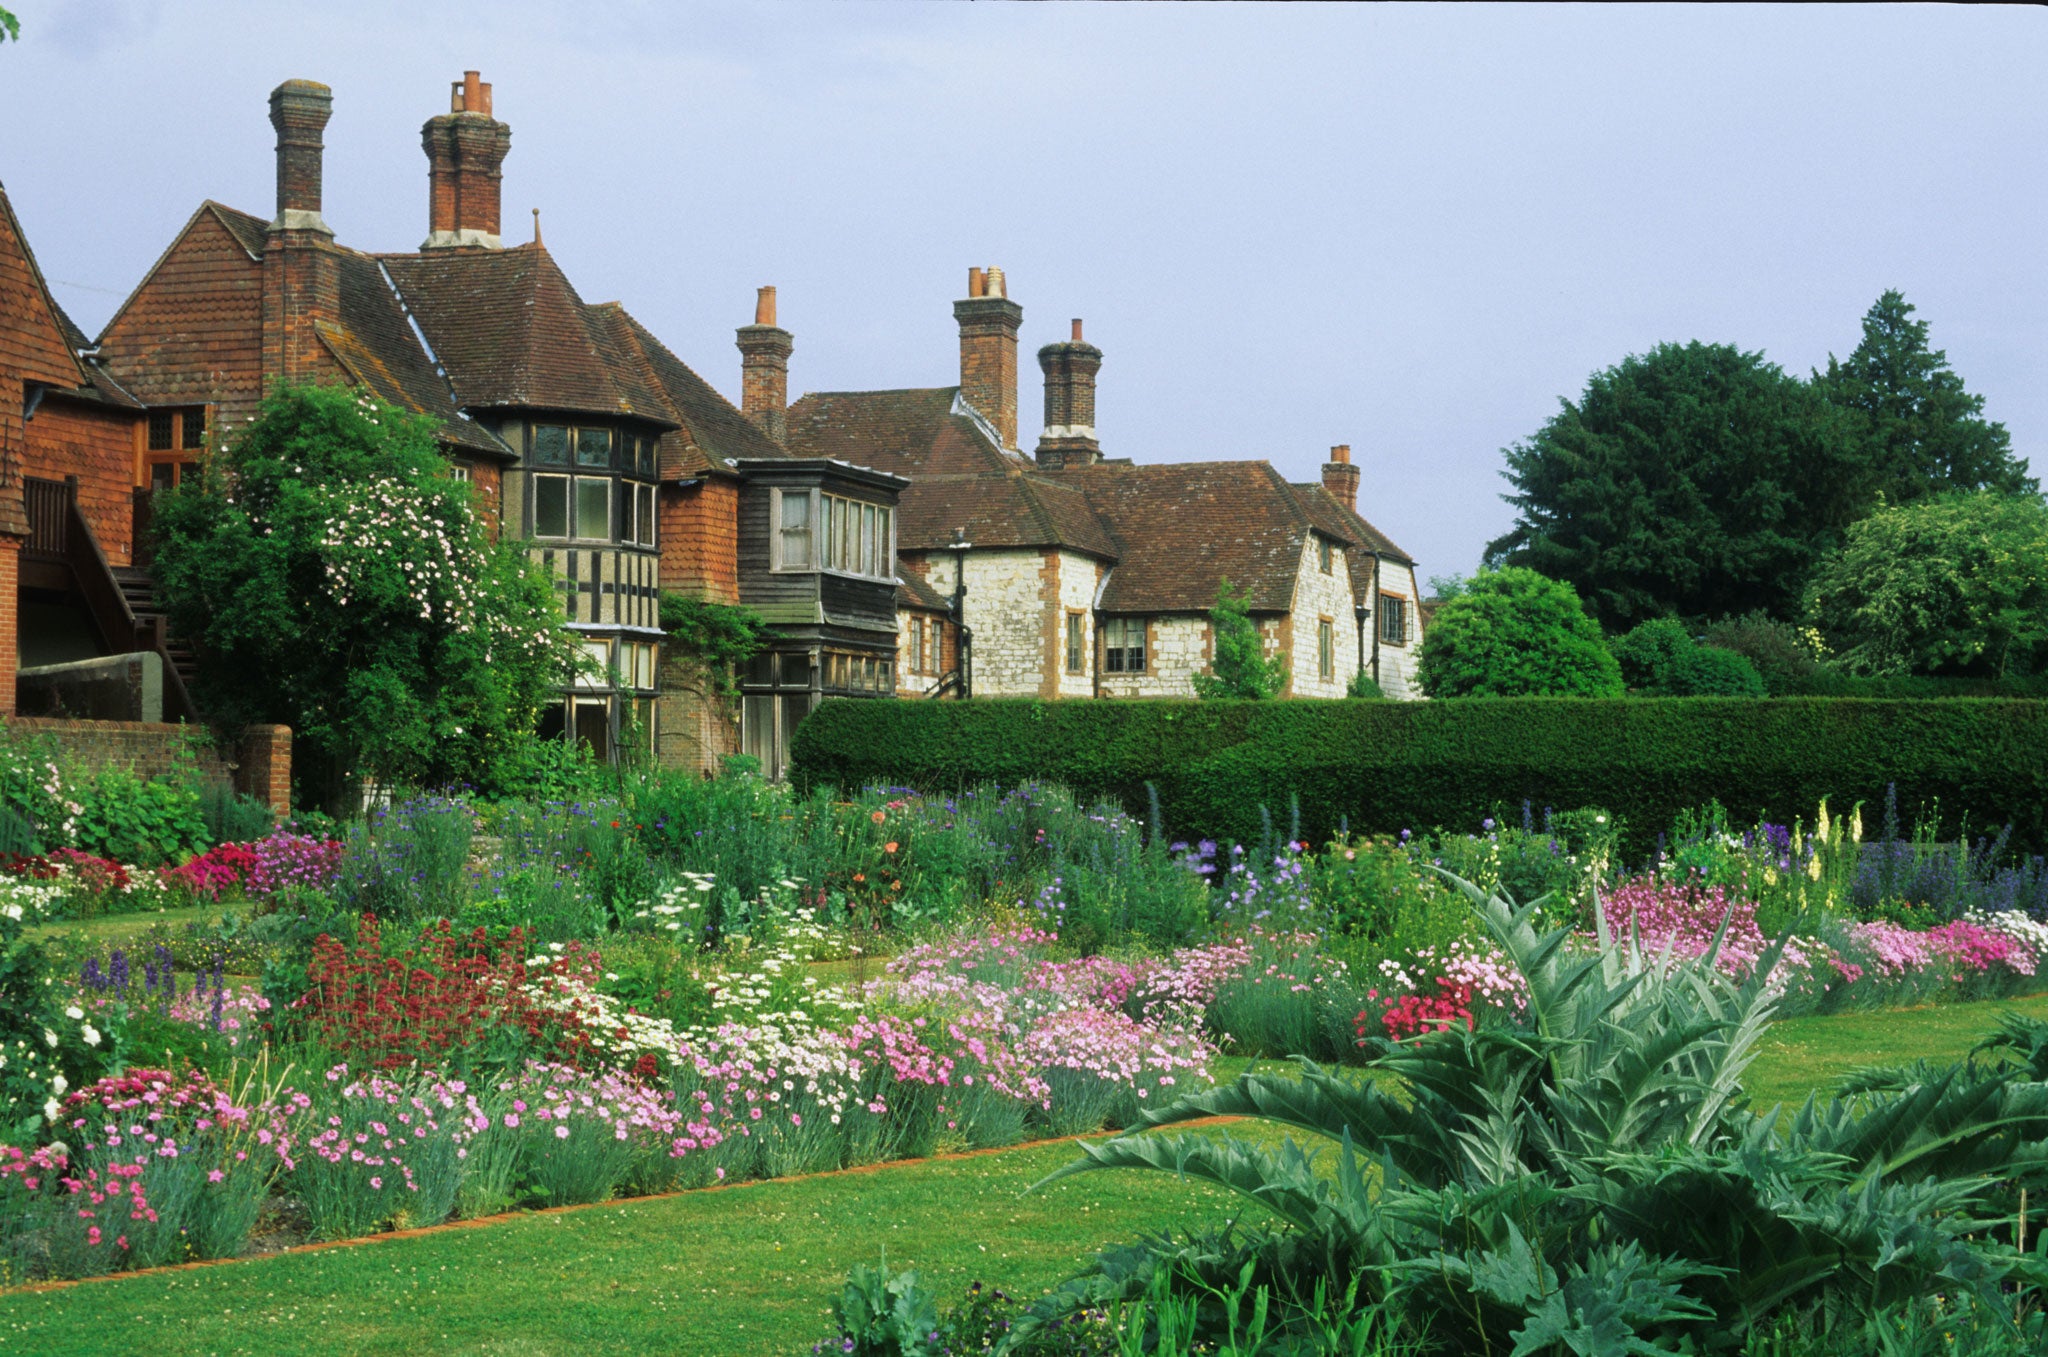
(154, 822)
(410, 862)
(1782, 654)
(334, 578)
(881, 1313)
(1592, 1180)
(1382, 767)
(709, 642)
(232, 817)
(1953, 585)
(1363, 685)
(1240, 667)
(1660, 658)
(1515, 633)
(1445, 587)
(1695, 479)
(10, 27)
(1916, 424)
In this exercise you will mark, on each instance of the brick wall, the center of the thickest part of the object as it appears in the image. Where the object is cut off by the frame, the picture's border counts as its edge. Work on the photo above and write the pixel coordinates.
(261, 766)
(10, 619)
(700, 539)
(193, 332)
(95, 443)
(692, 732)
(489, 480)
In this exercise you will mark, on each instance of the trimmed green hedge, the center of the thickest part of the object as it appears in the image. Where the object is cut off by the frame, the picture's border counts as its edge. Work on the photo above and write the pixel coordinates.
(1386, 766)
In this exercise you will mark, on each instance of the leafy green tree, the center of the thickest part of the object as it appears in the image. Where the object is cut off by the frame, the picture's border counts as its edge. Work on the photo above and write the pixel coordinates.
(1241, 667)
(1442, 587)
(1956, 585)
(1515, 633)
(1694, 480)
(1919, 428)
(334, 578)
(1660, 658)
(10, 27)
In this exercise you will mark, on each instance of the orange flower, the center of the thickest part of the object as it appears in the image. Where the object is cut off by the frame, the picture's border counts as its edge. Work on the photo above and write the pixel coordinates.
(889, 847)
(860, 876)
(879, 816)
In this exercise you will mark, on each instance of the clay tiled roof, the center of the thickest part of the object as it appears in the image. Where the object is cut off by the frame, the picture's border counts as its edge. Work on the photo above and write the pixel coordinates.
(712, 431)
(998, 510)
(509, 330)
(913, 592)
(914, 433)
(33, 342)
(376, 345)
(1181, 529)
(249, 231)
(1345, 524)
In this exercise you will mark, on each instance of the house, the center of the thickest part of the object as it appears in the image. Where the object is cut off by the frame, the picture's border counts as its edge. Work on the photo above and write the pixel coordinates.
(1087, 576)
(898, 543)
(623, 471)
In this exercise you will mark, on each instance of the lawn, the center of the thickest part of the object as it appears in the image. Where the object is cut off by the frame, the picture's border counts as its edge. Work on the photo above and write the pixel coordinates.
(749, 1269)
(119, 928)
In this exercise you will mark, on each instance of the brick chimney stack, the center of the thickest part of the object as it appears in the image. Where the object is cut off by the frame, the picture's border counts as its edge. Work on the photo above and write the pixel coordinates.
(301, 267)
(1069, 435)
(764, 368)
(1340, 477)
(299, 110)
(466, 150)
(989, 321)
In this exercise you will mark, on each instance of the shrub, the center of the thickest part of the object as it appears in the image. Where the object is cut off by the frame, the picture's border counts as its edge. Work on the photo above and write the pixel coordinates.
(232, 817)
(152, 822)
(1780, 652)
(1514, 633)
(1381, 767)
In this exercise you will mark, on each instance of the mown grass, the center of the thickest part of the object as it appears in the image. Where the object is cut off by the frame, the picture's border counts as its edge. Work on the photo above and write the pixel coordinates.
(749, 1269)
(115, 928)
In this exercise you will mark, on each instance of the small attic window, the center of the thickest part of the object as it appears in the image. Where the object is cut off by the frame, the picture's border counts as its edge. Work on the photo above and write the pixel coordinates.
(1325, 557)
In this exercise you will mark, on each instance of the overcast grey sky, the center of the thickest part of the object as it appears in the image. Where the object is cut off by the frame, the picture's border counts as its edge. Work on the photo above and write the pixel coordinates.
(1407, 229)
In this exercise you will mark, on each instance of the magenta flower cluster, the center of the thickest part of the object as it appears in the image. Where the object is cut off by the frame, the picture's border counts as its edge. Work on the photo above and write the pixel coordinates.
(285, 859)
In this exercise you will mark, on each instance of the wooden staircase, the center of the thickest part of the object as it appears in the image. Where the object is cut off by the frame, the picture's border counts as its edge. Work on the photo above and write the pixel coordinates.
(152, 626)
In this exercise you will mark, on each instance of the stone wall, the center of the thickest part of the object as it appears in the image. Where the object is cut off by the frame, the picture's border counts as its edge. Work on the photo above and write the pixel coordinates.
(260, 766)
(1319, 598)
(1071, 581)
(1006, 611)
(1397, 662)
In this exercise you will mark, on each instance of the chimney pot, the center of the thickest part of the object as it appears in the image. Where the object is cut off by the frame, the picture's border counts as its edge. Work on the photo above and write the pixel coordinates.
(299, 110)
(1069, 438)
(764, 368)
(1340, 477)
(466, 149)
(989, 322)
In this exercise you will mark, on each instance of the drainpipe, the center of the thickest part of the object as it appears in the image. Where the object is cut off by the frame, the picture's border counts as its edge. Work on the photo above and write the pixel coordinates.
(960, 546)
(1376, 630)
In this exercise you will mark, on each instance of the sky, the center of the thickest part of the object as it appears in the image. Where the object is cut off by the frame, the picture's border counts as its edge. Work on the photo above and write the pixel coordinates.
(1413, 230)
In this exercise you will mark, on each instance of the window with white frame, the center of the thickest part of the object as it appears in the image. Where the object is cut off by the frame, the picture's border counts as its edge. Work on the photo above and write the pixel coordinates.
(859, 537)
(1123, 645)
(793, 529)
(573, 506)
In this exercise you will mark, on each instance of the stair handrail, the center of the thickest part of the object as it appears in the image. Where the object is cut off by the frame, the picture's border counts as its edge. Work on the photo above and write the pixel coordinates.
(109, 605)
